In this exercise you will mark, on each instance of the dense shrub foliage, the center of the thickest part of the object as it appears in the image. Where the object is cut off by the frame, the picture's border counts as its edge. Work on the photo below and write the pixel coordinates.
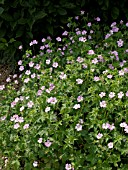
(70, 109)
(21, 20)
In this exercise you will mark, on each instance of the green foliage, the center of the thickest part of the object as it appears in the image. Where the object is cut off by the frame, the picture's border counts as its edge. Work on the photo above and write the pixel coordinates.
(70, 108)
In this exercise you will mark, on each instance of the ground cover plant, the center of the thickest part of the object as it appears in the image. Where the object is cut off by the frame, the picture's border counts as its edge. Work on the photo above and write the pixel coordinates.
(70, 110)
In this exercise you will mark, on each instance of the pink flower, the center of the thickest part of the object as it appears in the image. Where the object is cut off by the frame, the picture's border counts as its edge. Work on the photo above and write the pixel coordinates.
(33, 75)
(76, 106)
(47, 109)
(105, 125)
(52, 100)
(58, 39)
(68, 166)
(120, 43)
(111, 127)
(78, 127)
(95, 61)
(20, 62)
(39, 92)
(79, 98)
(21, 68)
(48, 61)
(55, 65)
(89, 24)
(28, 72)
(110, 145)
(99, 135)
(96, 78)
(97, 19)
(40, 140)
(47, 143)
(79, 81)
(109, 76)
(26, 126)
(30, 104)
(127, 94)
(21, 108)
(35, 163)
(31, 64)
(120, 95)
(91, 52)
(16, 126)
(2, 87)
(80, 60)
(103, 104)
(62, 75)
(111, 94)
(102, 94)
(124, 124)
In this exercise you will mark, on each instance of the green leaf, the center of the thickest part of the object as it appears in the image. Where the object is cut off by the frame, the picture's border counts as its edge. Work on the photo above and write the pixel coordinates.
(46, 3)
(19, 32)
(1, 10)
(12, 40)
(50, 29)
(39, 15)
(7, 17)
(2, 1)
(115, 13)
(3, 40)
(30, 34)
(2, 32)
(62, 11)
(22, 21)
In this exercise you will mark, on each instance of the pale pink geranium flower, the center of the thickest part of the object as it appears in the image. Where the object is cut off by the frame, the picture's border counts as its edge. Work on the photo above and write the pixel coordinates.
(26, 126)
(103, 104)
(120, 95)
(127, 94)
(21, 68)
(8, 79)
(39, 92)
(68, 166)
(30, 104)
(31, 64)
(111, 127)
(96, 78)
(62, 75)
(37, 66)
(79, 98)
(2, 87)
(109, 76)
(47, 109)
(21, 108)
(52, 100)
(33, 75)
(121, 73)
(55, 65)
(102, 94)
(105, 125)
(124, 124)
(95, 61)
(78, 127)
(76, 106)
(110, 145)
(40, 140)
(79, 81)
(89, 24)
(26, 80)
(48, 61)
(99, 136)
(91, 52)
(126, 129)
(120, 43)
(20, 62)
(79, 59)
(35, 163)
(58, 39)
(28, 72)
(47, 143)
(16, 126)
(111, 94)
